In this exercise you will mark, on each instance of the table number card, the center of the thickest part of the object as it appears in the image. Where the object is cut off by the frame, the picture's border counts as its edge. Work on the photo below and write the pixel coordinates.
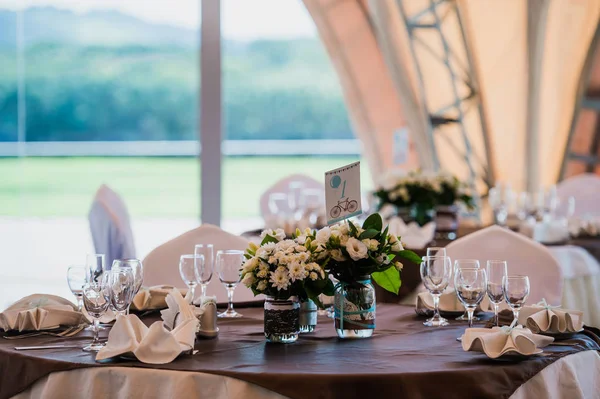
(342, 193)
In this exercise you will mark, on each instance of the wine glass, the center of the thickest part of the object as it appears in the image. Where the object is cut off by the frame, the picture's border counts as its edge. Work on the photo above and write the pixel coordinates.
(138, 271)
(121, 287)
(496, 272)
(468, 264)
(189, 273)
(228, 267)
(516, 290)
(96, 300)
(471, 286)
(204, 268)
(436, 272)
(435, 252)
(95, 265)
(76, 278)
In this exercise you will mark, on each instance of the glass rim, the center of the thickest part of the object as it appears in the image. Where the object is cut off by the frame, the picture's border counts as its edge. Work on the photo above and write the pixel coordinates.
(517, 276)
(467, 260)
(229, 252)
(204, 246)
(191, 256)
(496, 261)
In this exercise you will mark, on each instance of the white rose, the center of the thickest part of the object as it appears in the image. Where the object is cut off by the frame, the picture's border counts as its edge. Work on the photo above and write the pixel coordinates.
(396, 244)
(280, 234)
(337, 255)
(323, 235)
(344, 239)
(356, 249)
(248, 279)
(262, 285)
(371, 243)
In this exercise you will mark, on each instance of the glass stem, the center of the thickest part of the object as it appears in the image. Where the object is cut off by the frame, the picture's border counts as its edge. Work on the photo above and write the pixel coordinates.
(96, 330)
(470, 311)
(193, 293)
(516, 315)
(204, 289)
(496, 320)
(230, 299)
(79, 303)
(436, 306)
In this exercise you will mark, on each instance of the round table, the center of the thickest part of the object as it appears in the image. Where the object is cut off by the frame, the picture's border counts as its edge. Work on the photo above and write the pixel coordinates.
(402, 359)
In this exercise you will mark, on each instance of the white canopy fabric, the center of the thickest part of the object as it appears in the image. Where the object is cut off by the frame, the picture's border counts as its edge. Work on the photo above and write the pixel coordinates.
(527, 57)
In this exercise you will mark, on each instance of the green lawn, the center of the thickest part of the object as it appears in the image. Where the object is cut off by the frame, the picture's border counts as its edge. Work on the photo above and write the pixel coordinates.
(155, 187)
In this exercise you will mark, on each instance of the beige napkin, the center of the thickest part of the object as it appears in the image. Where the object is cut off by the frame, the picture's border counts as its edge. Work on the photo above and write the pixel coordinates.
(152, 298)
(449, 302)
(39, 312)
(498, 341)
(550, 319)
(413, 236)
(154, 344)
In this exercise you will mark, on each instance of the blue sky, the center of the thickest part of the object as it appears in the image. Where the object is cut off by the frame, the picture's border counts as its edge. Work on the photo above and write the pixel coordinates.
(241, 19)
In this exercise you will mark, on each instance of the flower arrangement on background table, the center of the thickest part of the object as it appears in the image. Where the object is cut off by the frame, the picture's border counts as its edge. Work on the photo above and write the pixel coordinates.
(417, 194)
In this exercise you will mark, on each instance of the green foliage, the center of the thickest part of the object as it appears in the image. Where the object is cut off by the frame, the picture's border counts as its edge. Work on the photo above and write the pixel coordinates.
(388, 279)
(271, 90)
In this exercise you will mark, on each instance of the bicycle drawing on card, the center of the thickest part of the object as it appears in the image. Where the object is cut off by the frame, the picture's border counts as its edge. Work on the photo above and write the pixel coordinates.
(344, 203)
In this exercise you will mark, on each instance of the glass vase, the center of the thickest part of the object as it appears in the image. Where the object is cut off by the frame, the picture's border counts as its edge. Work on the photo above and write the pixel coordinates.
(282, 320)
(354, 307)
(308, 316)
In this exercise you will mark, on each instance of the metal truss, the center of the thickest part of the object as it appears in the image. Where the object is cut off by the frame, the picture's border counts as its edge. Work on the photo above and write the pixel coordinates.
(587, 99)
(461, 77)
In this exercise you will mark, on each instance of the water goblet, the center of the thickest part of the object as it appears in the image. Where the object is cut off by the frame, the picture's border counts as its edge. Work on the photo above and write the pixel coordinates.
(205, 268)
(76, 278)
(95, 265)
(436, 272)
(435, 252)
(471, 286)
(121, 287)
(136, 267)
(496, 272)
(468, 264)
(189, 273)
(96, 301)
(516, 290)
(228, 267)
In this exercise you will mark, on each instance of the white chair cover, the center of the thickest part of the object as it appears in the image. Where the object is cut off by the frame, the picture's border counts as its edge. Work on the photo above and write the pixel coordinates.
(110, 226)
(524, 257)
(161, 266)
(283, 186)
(585, 189)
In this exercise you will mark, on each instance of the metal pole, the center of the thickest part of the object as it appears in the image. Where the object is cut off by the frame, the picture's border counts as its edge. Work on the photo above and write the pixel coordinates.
(210, 113)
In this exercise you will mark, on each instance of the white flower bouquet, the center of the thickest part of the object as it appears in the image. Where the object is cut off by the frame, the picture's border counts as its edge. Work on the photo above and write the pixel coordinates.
(349, 253)
(282, 268)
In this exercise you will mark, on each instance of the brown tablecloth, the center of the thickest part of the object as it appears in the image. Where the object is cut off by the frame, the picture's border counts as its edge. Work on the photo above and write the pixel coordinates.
(402, 359)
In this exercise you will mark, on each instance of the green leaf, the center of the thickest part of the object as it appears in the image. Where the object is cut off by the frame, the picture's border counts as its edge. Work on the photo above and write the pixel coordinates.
(373, 222)
(388, 279)
(370, 233)
(247, 256)
(268, 239)
(409, 255)
(329, 289)
(353, 230)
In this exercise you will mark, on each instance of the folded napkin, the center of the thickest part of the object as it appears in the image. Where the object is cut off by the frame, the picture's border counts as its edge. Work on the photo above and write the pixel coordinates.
(154, 344)
(39, 312)
(207, 315)
(449, 302)
(413, 236)
(152, 298)
(499, 341)
(542, 318)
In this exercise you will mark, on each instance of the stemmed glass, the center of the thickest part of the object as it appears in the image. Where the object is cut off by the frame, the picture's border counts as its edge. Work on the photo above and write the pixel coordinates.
(467, 264)
(470, 285)
(189, 272)
(204, 268)
(96, 301)
(496, 272)
(436, 272)
(516, 290)
(435, 252)
(76, 278)
(121, 286)
(228, 266)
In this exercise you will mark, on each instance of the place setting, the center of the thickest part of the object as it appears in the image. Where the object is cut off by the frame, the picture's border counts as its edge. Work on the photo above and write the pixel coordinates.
(521, 332)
